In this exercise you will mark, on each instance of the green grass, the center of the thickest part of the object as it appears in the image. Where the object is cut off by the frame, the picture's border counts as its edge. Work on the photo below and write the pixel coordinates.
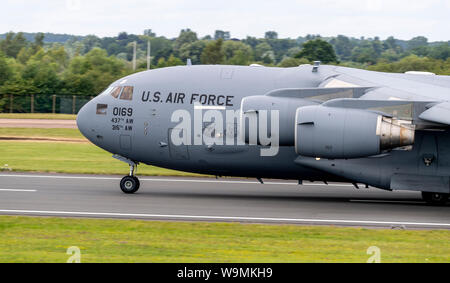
(36, 132)
(83, 158)
(29, 239)
(37, 116)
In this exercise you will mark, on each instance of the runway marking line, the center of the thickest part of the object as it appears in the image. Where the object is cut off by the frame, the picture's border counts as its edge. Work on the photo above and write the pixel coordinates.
(17, 190)
(386, 201)
(173, 180)
(226, 218)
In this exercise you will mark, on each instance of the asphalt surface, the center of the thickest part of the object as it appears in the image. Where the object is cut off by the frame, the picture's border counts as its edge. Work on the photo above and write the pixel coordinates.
(223, 200)
(38, 123)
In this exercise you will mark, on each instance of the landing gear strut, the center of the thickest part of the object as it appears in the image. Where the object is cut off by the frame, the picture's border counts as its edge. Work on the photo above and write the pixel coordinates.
(129, 184)
(435, 198)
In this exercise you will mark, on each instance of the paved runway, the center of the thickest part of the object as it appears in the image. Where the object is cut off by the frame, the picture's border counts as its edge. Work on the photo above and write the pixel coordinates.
(38, 123)
(229, 200)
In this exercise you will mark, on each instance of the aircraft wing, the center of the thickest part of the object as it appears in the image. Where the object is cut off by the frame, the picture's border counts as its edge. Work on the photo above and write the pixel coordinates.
(439, 113)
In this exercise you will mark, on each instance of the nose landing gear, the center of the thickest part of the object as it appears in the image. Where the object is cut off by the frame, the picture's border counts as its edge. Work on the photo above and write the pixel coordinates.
(129, 184)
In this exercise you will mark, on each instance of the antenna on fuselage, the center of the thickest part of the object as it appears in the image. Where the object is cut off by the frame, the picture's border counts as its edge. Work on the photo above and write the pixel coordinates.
(189, 62)
(316, 66)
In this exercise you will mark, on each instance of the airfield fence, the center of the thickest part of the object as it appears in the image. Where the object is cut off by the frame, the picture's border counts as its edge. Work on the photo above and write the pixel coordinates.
(36, 103)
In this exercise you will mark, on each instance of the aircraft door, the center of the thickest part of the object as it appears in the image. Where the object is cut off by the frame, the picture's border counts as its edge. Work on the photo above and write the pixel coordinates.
(125, 142)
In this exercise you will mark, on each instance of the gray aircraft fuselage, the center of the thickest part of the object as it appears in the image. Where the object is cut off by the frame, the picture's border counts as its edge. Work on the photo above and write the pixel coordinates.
(139, 126)
(229, 85)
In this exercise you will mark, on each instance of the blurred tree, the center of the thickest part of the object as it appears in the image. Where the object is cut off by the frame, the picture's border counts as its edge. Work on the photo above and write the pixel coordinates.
(292, 62)
(213, 53)
(122, 36)
(391, 43)
(417, 42)
(252, 41)
(271, 35)
(237, 53)
(174, 61)
(90, 42)
(13, 43)
(412, 63)
(192, 51)
(57, 54)
(41, 71)
(186, 36)
(225, 35)
(293, 51)
(25, 54)
(390, 55)
(421, 51)
(268, 57)
(39, 41)
(92, 73)
(6, 72)
(171, 61)
(161, 63)
(114, 49)
(318, 50)
(312, 37)
(343, 46)
(261, 50)
(441, 51)
(161, 47)
(280, 47)
(149, 32)
(239, 58)
(377, 46)
(364, 54)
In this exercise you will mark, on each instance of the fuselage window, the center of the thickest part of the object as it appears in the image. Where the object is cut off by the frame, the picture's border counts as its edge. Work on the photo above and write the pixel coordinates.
(127, 93)
(101, 109)
(116, 91)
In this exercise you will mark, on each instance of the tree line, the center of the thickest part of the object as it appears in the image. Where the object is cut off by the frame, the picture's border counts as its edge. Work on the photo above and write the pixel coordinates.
(49, 64)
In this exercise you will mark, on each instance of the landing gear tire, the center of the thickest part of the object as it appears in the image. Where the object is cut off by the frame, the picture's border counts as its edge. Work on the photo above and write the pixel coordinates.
(435, 198)
(129, 184)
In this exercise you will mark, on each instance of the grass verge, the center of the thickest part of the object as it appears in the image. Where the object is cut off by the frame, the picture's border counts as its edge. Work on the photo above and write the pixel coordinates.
(29, 239)
(37, 132)
(59, 157)
(37, 116)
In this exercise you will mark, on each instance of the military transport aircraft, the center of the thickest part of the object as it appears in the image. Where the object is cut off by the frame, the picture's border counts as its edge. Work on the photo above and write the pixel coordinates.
(312, 123)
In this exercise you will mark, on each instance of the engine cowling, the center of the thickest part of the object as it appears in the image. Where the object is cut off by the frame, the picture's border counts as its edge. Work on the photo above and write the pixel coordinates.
(340, 133)
(255, 106)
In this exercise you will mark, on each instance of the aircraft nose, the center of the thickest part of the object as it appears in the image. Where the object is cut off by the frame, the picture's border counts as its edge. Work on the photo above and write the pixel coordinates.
(84, 118)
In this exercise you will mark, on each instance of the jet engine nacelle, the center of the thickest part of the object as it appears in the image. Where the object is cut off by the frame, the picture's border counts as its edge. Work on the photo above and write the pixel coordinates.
(263, 112)
(340, 133)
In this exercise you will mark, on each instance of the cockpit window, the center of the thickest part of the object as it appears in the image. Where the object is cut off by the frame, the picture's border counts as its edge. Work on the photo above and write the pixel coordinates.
(127, 93)
(116, 91)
